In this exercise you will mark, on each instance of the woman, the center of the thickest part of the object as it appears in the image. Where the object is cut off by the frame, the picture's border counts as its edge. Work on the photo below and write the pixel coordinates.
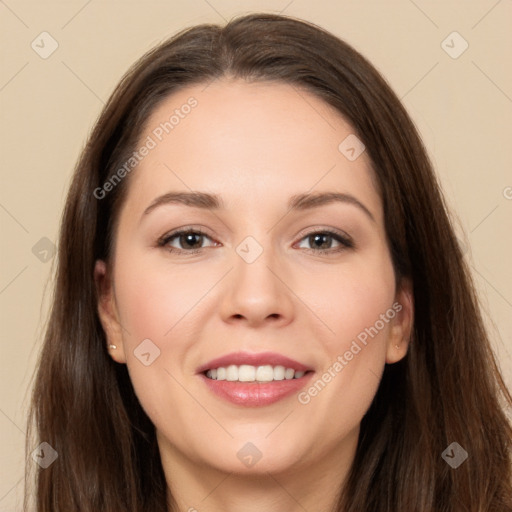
(260, 302)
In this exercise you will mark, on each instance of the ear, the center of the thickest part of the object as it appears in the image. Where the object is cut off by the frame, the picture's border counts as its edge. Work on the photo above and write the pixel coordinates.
(402, 324)
(107, 311)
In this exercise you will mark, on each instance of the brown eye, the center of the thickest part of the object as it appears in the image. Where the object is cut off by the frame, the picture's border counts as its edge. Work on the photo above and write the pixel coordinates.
(322, 242)
(190, 241)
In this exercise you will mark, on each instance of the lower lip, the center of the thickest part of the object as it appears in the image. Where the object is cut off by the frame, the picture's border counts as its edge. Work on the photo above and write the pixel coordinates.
(256, 394)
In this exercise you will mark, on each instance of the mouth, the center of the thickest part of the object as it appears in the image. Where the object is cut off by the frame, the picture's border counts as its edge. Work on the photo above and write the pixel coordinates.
(254, 380)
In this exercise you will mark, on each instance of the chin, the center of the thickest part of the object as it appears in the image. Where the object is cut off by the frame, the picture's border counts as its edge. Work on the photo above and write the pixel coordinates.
(253, 456)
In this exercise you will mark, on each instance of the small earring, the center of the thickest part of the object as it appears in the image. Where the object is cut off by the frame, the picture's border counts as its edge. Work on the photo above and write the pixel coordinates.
(397, 346)
(112, 346)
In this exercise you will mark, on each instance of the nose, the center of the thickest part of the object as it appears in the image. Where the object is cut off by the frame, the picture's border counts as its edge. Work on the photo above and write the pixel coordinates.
(258, 292)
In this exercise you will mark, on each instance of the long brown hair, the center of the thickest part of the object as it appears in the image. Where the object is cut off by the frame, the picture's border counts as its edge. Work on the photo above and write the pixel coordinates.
(447, 389)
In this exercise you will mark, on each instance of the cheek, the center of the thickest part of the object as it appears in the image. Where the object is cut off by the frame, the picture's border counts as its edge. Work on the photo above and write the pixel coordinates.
(357, 305)
(353, 300)
(157, 304)
(156, 300)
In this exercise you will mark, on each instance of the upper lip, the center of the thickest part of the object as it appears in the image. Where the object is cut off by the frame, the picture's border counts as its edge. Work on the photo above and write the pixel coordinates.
(260, 359)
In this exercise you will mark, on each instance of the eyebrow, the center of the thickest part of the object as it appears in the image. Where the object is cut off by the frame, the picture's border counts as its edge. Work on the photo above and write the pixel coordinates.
(298, 202)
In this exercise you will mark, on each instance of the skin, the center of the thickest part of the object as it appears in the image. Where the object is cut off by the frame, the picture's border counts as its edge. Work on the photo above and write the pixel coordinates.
(255, 145)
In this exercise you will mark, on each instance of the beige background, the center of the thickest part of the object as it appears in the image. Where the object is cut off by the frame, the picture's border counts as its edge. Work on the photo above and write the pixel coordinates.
(462, 106)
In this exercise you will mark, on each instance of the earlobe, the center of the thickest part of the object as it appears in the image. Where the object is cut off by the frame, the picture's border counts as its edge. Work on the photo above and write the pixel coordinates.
(401, 329)
(107, 311)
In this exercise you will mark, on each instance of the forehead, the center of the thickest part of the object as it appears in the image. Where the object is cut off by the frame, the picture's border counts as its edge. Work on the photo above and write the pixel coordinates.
(248, 141)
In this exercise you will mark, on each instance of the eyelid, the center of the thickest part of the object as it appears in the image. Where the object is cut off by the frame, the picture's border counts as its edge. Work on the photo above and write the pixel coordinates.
(163, 240)
(323, 229)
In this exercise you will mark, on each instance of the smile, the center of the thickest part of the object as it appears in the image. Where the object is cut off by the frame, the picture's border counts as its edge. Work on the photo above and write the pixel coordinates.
(254, 379)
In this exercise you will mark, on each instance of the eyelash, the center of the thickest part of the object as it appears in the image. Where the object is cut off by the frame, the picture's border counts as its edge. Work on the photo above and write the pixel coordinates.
(345, 241)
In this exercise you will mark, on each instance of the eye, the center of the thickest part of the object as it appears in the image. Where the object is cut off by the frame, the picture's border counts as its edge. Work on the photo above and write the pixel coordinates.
(321, 241)
(190, 240)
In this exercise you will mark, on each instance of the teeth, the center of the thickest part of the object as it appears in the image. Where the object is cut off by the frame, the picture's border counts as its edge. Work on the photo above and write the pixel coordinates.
(248, 373)
(289, 373)
(232, 372)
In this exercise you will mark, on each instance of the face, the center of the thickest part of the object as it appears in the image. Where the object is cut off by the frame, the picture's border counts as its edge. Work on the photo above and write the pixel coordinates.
(259, 277)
